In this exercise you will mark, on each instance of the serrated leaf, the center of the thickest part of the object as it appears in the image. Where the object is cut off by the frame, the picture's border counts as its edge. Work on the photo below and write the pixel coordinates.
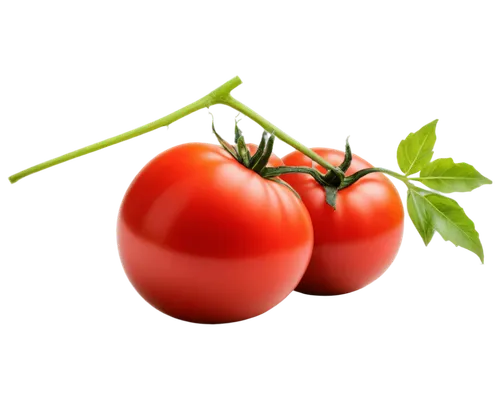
(450, 220)
(447, 176)
(416, 150)
(420, 216)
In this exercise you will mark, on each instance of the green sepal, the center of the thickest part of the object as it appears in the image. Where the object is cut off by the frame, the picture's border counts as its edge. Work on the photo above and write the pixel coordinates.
(331, 195)
(416, 151)
(267, 151)
(347, 154)
(243, 151)
(257, 157)
(237, 131)
(224, 143)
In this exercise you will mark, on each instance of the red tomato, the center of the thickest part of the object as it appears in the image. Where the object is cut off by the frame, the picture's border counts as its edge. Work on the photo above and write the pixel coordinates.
(204, 239)
(356, 242)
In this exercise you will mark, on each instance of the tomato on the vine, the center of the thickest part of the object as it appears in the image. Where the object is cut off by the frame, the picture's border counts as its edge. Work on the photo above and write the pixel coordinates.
(205, 239)
(355, 242)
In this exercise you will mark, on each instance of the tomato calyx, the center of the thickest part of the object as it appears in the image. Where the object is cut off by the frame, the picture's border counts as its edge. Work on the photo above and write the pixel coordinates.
(348, 181)
(332, 177)
(332, 181)
(330, 188)
(352, 179)
(240, 152)
(257, 162)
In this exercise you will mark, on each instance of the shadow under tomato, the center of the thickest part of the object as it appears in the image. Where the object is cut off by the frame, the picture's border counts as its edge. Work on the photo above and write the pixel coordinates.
(183, 326)
(322, 301)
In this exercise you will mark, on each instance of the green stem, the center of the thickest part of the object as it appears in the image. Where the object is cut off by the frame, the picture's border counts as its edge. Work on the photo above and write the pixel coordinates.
(273, 129)
(272, 172)
(221, 95)
(393, 174)
(406, 180)
(351, 179)
(332, 179)
(212, 98)
(411, 185)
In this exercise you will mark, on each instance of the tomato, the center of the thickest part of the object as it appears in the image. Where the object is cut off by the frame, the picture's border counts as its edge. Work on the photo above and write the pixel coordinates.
(356, 242)
(204, 239)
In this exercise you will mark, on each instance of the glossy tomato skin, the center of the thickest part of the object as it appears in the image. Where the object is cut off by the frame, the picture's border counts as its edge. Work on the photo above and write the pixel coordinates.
(204, 239)
(356, 242)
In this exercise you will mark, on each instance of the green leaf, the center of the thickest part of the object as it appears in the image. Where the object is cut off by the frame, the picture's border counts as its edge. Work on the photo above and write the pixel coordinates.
(417, 149)
(446, 176)
(420, 216)
(447, 218)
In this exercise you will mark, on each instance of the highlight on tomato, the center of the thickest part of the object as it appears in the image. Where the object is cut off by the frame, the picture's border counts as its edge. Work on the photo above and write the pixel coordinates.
(203, 237)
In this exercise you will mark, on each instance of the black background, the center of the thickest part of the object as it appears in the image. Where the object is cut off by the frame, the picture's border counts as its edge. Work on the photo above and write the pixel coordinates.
(57, 233)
